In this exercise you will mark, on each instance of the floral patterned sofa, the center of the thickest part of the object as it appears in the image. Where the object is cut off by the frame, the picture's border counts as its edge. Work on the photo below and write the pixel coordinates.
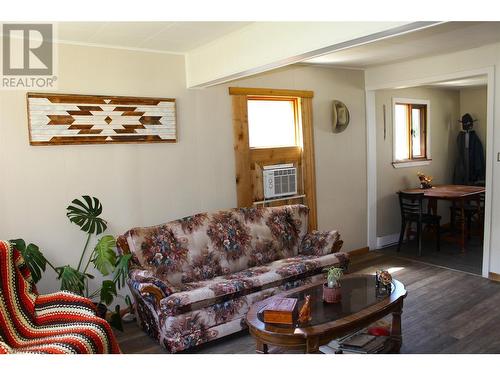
(194, 279)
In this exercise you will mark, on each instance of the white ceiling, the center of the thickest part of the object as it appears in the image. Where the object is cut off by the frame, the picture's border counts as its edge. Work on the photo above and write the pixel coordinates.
(177, 37)
(181, 37)
(443, 38)
(476, 81)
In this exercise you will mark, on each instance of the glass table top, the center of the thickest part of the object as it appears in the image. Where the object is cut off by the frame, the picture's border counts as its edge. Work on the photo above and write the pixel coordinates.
(358, 293)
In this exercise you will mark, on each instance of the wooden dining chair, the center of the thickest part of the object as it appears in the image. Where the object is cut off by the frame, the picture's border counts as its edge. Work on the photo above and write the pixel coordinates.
(411, 205)
(473, 210)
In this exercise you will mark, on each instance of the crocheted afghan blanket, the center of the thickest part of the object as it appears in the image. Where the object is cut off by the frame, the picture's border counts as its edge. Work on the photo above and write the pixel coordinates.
(57, 323)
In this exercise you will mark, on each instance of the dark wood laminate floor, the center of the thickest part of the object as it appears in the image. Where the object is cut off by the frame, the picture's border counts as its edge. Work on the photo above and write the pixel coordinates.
(449, 256)
(446, 311)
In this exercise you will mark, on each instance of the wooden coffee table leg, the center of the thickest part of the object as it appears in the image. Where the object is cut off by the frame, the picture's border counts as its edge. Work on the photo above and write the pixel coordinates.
(312, 345)
(396, 333)
(260, 347)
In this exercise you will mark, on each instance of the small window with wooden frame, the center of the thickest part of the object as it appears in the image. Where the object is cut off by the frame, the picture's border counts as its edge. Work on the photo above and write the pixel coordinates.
(411, 125)
(273, 127)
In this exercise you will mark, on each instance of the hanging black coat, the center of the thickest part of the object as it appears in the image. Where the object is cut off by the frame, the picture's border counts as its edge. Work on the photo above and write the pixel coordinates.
(477, 167)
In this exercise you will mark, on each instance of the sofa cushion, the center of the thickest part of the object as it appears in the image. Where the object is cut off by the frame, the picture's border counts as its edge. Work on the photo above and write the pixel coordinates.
(196, 295)
(204, 246)
(320, 243)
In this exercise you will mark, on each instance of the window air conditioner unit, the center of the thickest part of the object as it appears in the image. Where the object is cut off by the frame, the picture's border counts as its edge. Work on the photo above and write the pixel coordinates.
(279, 180)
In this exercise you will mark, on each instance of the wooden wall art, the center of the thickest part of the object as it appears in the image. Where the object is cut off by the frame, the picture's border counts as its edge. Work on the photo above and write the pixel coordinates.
(62, 119)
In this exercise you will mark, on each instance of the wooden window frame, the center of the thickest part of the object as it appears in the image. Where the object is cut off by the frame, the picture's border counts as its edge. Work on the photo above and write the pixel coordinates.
(425, 141)
(247, 160)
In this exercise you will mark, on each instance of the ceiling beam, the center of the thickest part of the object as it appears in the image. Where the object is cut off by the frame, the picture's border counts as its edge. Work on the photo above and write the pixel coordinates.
(264, 46)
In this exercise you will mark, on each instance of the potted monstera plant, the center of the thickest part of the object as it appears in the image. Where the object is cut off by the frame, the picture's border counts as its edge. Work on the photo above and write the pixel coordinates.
(103, 258)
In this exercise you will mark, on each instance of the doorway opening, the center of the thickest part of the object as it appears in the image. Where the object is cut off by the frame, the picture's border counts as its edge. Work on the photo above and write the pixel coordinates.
(442, 130)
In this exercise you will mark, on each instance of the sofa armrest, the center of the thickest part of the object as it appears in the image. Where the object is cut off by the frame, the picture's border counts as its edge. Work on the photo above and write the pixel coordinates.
(149, 286)
(321, 243)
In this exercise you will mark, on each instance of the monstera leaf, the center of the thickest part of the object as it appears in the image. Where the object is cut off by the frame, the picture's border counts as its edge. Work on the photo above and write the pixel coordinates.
(104, 256)
(108, 292)
(86, 213)
(33, 257)
(71, 279)
(121, 270)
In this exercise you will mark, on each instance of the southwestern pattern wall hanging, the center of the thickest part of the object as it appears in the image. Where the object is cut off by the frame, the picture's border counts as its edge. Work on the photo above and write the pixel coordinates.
(61, 119)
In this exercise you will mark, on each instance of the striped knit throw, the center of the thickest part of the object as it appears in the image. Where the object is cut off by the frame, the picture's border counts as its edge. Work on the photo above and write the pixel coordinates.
(57, 323)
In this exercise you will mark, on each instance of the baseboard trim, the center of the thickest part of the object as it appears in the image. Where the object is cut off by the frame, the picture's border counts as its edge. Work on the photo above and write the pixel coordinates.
(389, 240)
(359, 252)
(494, 276)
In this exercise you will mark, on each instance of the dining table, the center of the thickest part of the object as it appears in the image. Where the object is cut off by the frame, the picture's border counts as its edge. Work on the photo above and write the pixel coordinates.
(459, 196)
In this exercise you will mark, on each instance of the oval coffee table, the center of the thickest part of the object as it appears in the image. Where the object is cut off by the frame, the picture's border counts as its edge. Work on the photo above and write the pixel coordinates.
(360, 306)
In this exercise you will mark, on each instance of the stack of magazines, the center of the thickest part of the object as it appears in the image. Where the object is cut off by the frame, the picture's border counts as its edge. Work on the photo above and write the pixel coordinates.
(357, 343)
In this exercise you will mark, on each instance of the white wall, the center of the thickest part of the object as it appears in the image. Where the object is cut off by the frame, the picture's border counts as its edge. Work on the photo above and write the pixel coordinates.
(145, 184)
(140, 184)
(474, 100)
(453, 65)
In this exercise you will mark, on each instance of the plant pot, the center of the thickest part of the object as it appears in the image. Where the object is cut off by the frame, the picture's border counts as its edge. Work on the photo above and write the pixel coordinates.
(101, 310)
(331, 295)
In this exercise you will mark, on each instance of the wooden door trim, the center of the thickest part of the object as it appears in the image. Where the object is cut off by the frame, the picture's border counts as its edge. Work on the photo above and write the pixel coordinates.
(242, 151)
(308, 166)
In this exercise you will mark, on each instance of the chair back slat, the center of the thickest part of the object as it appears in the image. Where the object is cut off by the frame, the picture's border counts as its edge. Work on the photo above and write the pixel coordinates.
(410, 203)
